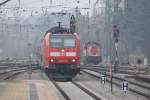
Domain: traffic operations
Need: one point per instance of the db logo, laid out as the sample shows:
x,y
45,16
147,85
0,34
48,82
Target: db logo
x,y
62,53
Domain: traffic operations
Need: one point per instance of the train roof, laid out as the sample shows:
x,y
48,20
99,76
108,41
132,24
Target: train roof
x,y
91,43
58,30
61,31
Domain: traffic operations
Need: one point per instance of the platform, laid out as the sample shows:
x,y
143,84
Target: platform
x,y
27,90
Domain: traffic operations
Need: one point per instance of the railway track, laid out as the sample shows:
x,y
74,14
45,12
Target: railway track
x,y
123,79
140,78
118,81
75,91
6,65
11,68
11,74
16,62
122,69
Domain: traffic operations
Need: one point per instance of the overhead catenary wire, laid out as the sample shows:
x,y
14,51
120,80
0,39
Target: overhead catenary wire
x,y
4,2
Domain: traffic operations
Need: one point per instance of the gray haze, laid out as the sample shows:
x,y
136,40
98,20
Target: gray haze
x,y
26,23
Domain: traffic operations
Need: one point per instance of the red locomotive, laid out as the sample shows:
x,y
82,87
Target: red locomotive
x,y
92,53
61,53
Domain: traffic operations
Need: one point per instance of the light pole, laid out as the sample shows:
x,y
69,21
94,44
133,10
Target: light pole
x,y
77,15
30,66
116,40
72,24
88,18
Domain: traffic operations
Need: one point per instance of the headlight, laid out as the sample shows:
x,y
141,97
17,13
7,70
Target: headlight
x,y
54,53
52,60
70,53
73,60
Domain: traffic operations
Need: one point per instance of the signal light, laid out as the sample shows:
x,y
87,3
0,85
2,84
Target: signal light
x,y
116,40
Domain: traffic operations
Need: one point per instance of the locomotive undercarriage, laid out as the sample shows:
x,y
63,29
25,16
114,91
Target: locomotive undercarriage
x,y
62,71
93,59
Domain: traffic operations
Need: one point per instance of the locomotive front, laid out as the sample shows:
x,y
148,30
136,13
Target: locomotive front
x,y
61,54
92,52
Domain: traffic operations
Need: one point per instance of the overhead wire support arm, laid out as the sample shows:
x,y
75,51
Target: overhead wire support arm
x,y
4,2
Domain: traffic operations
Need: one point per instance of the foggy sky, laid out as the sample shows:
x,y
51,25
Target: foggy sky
x,y
38,4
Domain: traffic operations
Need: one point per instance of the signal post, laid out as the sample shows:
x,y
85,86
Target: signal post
x,y
116,40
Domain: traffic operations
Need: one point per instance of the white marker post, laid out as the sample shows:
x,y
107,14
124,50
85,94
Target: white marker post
x,y
125,86
103,79
146,64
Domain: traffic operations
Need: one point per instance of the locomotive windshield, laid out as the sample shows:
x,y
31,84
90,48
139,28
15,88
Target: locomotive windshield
x,y
62,42
56,42
69,43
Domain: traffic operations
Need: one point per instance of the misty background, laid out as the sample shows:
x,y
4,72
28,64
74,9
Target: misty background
x,y
25,22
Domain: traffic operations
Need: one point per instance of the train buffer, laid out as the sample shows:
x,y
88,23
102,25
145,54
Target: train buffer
x,y
27,90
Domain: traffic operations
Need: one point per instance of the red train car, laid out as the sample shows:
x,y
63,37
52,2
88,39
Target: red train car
x,y
61,53
92,53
